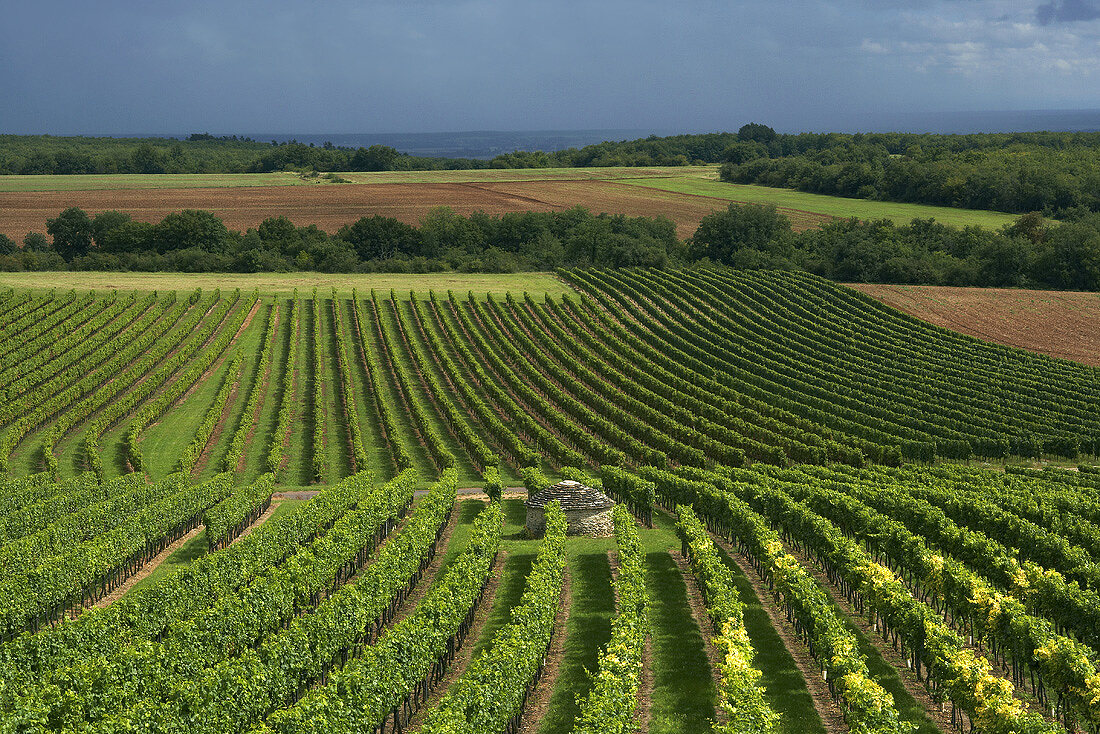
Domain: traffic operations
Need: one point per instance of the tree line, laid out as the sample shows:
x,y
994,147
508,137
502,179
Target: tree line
x,y
1032,252
199,241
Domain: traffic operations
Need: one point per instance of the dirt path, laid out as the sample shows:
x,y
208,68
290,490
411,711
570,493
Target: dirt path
x,y
538,703
145,570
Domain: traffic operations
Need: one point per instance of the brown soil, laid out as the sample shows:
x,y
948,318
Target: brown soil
x,y
538,703
331,207
1056,323
145,570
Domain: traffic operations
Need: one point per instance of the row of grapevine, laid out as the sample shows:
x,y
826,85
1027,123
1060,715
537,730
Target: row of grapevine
x,y
607,432
68,496
739,690
673,400
276,451
70,357
347,386
613,696
43,331
260,621
235,453
504,436
657,422
209,342
237,621
194,450
227,519
382,686
544,441
456,420
1061,664
585,446
385,411
116,354
866,705
88,571
146,613
437,448
317,447
950,668
490,696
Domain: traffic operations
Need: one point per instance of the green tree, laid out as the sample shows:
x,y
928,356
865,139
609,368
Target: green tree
x,y
146,159
742,227
378,238
36,242
192,228
72,232
374,158
105,222
7,245
756,131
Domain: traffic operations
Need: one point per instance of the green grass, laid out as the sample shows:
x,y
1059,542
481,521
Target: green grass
x,y
836,206
92,182
337,444
249,344
588,630
684,690
283,284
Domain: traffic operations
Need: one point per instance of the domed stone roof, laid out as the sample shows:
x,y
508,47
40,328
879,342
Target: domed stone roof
x,y
572,496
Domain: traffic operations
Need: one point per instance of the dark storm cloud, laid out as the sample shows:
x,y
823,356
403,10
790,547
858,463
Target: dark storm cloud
x,y
1066,11
283,66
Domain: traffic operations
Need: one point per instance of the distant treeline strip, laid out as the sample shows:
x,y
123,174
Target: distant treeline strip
x,y
1032,252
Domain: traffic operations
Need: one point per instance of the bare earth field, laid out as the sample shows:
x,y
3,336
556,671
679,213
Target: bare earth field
x,y
332,206
1057,323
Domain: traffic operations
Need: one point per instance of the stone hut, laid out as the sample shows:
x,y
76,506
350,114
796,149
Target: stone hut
x,y
587,510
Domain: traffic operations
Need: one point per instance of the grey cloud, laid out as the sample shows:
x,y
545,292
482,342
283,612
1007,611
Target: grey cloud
x,y
1066,11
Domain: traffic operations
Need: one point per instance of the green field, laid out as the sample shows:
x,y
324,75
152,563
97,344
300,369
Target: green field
x,y
285,283
836,206
93,182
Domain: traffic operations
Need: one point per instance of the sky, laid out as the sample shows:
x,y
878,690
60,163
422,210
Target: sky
x,y
228,67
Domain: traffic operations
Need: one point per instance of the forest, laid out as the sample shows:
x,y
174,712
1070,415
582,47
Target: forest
x,y
1032,252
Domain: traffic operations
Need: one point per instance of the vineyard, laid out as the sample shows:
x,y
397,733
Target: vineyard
x,y
245,512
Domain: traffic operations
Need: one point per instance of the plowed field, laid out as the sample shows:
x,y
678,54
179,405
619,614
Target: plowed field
x,y
1055,323
332,206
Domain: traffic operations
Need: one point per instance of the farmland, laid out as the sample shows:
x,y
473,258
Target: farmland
x,y
1057,323
319,482
244,200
